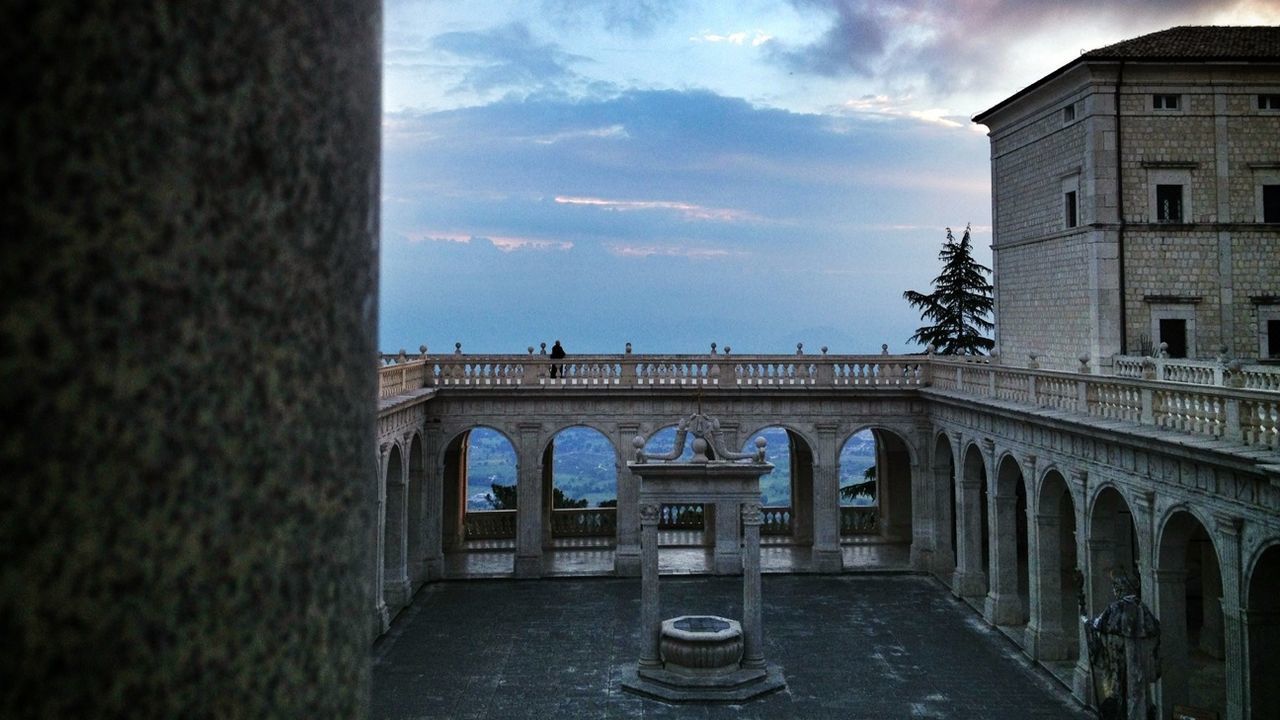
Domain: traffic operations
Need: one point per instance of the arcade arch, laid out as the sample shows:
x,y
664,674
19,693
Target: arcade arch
x,y
1008,599
786,493
579,484
973,544
479,467
944,492
1051,633
1262,627
416,511
1189,605
1112,544
393,546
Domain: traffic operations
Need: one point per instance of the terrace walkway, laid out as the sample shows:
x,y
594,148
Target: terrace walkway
x,y
870,646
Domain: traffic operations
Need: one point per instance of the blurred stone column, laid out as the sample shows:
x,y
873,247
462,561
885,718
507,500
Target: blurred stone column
x,y
650,604
188,307
752,605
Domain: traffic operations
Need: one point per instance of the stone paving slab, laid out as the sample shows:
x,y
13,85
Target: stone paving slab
x,y
849,646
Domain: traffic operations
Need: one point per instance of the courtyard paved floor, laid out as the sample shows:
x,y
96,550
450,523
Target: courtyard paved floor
x,y
851,646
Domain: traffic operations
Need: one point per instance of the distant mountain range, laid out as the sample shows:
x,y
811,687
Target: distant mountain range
x,y
584,464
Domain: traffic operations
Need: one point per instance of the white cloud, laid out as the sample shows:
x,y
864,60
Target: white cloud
x,y
694,253
505,243
742,37
690,211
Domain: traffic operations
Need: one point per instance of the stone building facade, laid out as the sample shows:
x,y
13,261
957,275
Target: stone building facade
x,y
1136,192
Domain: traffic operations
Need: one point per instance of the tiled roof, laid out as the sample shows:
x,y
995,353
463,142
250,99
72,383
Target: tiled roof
x,y
1187,43
1197,42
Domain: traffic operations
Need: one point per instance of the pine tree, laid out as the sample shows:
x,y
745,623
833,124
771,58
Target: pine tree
x,y
960,304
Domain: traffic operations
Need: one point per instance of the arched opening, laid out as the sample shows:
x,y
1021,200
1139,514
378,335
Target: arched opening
x,y
479,472
1053,636
686,524
1262,626
874,478
394,576
973,561
580,487
1189,602
1009,597
1113,547
944,489
416,512
786,493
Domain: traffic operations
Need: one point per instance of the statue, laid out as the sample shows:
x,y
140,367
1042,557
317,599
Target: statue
x,y
1124,652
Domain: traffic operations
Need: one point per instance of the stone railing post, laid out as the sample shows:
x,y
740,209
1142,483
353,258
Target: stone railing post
x,y
1148,416
1232,431
826,370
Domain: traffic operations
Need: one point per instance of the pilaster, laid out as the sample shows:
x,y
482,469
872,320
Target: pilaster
x,y
826,501
529,503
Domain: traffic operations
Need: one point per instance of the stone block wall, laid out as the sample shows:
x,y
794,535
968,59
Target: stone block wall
x,y
1217,143
1182,264
1255,257
1037,281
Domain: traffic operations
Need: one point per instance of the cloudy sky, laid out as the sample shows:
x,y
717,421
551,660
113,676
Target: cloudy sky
x,y
666,173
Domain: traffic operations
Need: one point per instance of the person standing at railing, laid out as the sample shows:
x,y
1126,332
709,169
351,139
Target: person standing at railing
x,y
557,353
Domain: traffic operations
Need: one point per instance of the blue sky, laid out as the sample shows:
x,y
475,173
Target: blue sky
x,y
671,174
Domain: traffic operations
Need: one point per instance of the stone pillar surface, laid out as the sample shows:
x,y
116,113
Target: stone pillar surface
x,y
627,554
529,499
650,606
1226,536
969,579
752,617
188,309
1003,606
433,507
1171,609
826,501
1044,638
381,618
1078,484
727,557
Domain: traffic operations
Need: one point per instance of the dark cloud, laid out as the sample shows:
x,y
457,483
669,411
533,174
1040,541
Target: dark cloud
x,y
849,47
957,44
637,17
507,57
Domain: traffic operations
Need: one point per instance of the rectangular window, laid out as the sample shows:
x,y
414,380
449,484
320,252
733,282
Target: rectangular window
x,y
1069,113
1169,203
1273,338
1069,208
1173,335
1269,102
1271,203
1164,102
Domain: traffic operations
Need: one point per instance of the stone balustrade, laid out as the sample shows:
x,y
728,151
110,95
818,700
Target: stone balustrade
x,y
584,522
1239,404
859,520
490,524
680,516
399,373
1248,417
1199,372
